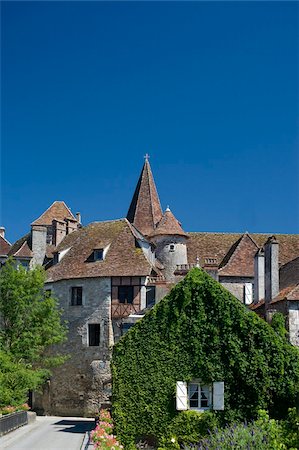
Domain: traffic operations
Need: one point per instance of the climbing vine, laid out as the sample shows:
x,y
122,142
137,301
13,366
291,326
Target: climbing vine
x,y
199,330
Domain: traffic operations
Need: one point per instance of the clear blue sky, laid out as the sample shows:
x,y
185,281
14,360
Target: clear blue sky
x,y
209,90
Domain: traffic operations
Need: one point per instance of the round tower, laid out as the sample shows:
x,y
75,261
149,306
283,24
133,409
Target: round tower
x,y
171,244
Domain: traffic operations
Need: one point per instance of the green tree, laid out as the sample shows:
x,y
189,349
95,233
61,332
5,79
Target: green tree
x,y
30,320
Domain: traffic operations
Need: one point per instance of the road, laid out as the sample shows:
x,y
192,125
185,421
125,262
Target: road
x,y
49,433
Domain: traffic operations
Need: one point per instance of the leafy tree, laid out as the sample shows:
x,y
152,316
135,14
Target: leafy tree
x,y
30,321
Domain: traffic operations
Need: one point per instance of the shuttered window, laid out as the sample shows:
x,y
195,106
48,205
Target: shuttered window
x,y
199,396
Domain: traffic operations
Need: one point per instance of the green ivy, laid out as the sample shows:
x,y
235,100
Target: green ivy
x,y
199,330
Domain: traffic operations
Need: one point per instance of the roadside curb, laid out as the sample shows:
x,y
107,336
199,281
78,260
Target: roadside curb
x,y
86,444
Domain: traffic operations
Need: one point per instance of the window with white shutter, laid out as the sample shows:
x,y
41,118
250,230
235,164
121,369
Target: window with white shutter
x,y
181,396
248,297
218,395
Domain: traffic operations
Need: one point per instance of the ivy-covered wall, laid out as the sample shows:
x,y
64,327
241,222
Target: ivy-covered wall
x,y
199,331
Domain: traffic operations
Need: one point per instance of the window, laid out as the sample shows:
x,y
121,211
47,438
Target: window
x,y
199,396
76,296
98,254
94,335
150,295
125,294
125,327
171,247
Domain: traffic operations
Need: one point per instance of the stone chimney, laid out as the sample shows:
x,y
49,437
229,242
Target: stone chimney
x,y
259,276
271,269
59,231
39,243
78,217
2,232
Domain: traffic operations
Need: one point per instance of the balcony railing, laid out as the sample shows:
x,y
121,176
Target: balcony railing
x,y
186,267
123,310
154,280
12,421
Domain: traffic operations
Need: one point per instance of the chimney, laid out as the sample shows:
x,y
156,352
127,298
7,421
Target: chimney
x,y
78,217
271,269
2,232
59,231
259,276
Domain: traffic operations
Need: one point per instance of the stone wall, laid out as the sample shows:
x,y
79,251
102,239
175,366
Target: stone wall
x,y
236,285
83,382
294,322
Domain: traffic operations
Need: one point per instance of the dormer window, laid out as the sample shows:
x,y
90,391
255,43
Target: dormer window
x,y
96,255
171,247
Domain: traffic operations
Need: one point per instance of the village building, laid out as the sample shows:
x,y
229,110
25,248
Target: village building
x,y
107,274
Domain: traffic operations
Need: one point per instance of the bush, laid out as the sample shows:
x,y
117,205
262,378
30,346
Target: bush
x,y
199,330
262,434
188,427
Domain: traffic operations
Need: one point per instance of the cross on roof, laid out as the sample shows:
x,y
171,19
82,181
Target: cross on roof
x,y
146,157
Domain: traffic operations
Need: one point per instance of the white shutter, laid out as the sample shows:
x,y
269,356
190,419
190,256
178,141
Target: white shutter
x,y
248,293
181,396
218,395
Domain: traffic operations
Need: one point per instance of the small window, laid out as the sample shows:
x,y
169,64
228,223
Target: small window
x,y
98,254
171,247
94,335
150,295
125,294
199,396
125,327
76,296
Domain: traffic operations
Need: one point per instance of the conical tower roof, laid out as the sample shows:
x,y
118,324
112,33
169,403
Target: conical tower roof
x,y
169,225
145,209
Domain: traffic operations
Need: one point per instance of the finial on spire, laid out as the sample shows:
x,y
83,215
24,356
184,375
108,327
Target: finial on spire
x,y
167,209
146,157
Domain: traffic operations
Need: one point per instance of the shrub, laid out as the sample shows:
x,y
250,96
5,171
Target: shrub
x,y
199,330
188,427
102,436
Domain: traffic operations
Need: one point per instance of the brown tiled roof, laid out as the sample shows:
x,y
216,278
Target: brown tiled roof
x,y
240,260
169,225
145,209
122,258
4,246
289,274
18,244
58,210
24,251
218,245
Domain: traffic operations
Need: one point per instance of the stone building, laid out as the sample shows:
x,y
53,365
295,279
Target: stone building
x,y
106,274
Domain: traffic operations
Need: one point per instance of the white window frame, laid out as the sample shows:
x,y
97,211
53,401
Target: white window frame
x,y
248,293
200,387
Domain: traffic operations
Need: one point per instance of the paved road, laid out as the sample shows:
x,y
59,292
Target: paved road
x,y
49,433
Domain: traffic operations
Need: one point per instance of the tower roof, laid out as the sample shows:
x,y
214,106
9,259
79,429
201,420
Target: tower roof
x,y
145,209
169,225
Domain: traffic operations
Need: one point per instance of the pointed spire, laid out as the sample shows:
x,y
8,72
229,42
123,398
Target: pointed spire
x,y
145,209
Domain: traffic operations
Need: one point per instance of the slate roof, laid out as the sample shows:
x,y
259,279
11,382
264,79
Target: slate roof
x,y
4,246
58,210
145,209
227,249
123,258
19,243
168,225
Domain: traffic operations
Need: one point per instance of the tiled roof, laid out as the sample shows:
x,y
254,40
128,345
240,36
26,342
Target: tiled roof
x,y
168,225
221,246
58,210
289,274
145,209
24,251
122,258
19,243
240,258
4,246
